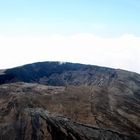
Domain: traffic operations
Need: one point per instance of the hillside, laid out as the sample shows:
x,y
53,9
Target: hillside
x,y
53,101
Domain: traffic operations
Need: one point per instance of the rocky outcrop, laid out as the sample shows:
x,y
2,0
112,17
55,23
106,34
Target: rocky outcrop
x,y
38,124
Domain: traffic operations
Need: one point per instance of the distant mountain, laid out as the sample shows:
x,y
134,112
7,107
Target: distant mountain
x,y
60,74
66,101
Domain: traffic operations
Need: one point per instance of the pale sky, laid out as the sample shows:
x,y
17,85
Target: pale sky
x,y
103,32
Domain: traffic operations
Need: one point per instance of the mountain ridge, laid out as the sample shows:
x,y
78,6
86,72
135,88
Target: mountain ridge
x,y
41,71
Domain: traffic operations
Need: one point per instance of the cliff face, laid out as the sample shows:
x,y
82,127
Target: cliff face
x,y
84,101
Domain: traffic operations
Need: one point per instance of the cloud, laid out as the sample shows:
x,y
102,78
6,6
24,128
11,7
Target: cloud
x,y
121,52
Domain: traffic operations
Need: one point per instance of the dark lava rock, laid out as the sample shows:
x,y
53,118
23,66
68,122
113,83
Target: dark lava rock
x,y
38,124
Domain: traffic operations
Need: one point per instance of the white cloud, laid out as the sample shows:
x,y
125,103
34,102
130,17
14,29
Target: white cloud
x,y
121,52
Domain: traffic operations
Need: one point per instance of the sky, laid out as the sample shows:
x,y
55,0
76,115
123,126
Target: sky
x,y
98,32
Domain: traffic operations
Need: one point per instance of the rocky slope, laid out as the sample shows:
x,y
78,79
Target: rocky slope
x,y
24,113
84,101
